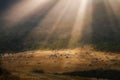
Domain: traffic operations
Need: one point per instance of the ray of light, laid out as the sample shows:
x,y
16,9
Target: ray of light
x,y
57,18
115,4
87,30
53,19
60,17
111,15
79,23
114,16
23,9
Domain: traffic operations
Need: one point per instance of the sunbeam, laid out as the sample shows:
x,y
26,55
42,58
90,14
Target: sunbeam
x,y
79,23
115,4
112,16
59,19
60,39
62,13
22,10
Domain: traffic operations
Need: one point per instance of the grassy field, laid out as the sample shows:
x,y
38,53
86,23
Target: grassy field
x,y
59,64
59,40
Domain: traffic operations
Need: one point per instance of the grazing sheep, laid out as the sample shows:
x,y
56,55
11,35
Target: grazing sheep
x,y
53,56
90,65
87,52
12,59
66,67
67,56
26,62
55,61
68,63
38,62
61,55
76,53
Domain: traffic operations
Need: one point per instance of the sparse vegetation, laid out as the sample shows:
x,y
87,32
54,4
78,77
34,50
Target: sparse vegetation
x,y
107,47
59,39
52,62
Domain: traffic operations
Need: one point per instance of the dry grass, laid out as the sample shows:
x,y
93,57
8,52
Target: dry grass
x,y
59,61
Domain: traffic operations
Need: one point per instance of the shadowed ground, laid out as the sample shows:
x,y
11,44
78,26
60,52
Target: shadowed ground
x,y
78,64
104,74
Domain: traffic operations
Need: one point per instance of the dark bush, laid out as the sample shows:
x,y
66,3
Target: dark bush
x,y
101,74
38,71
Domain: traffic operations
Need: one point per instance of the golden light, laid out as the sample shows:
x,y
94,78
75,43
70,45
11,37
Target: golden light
x,y
65,18
80,21
115,5
22,10
60,16
66,15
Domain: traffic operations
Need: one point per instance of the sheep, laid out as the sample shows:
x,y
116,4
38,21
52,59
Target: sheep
x,y
68,63
27,62
38,62
53,56
87,52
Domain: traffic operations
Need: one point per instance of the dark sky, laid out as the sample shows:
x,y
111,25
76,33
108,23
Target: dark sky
x,y
5,4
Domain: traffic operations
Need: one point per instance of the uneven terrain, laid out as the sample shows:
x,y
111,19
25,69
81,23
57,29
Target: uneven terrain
x,y
43,64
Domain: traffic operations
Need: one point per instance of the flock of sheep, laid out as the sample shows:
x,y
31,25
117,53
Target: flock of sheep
x,y
25,58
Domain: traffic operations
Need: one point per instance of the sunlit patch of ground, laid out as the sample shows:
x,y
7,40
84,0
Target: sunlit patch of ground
x,y
28,64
